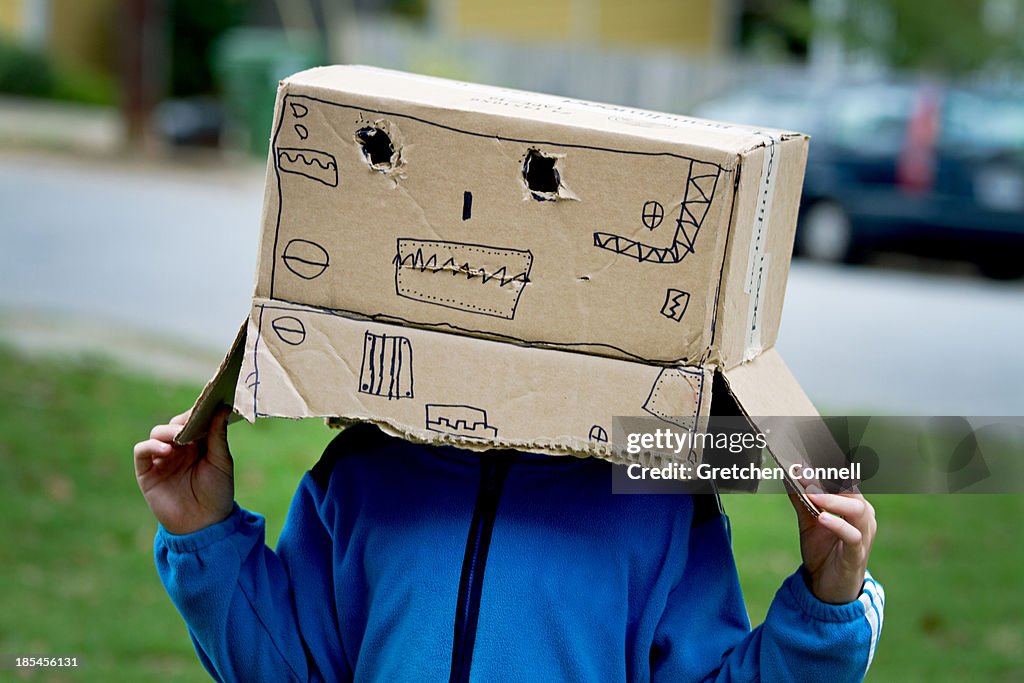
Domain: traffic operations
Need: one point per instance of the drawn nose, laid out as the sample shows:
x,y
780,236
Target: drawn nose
x,y
467,205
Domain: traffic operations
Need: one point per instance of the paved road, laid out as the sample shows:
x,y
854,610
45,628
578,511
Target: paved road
x,y
173,251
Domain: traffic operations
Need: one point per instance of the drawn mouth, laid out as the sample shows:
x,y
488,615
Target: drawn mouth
x,y
701,181
468,277
682,244
309,163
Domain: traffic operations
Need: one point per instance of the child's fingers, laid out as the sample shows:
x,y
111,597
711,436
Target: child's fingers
x,y
146,451
851,518
182,418
851,506
848,533
165,432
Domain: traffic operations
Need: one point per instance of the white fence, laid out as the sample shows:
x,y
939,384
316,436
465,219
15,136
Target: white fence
x,y
658,80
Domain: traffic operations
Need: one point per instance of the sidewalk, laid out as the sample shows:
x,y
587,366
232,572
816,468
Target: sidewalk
x,y
74,337
39,123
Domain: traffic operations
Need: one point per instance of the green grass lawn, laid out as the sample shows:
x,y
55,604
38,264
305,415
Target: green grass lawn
x,y
77,575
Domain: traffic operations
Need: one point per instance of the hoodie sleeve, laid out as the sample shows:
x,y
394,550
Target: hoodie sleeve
x,y
705,633
238,600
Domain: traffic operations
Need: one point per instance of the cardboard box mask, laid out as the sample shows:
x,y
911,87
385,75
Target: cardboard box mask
x,y
490,267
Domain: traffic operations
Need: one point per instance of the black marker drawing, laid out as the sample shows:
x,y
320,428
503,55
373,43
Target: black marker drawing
x,y
387,366
252,380
701,181
289,329
459,420
675,304
306,259
467,205
676,396
309,163
468,277
302,131
652,214
599,434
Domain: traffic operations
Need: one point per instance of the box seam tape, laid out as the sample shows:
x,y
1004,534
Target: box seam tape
x,y
754,284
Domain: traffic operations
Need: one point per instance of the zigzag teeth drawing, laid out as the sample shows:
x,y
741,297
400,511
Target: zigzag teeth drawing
x,y
486,289
701,181
421,263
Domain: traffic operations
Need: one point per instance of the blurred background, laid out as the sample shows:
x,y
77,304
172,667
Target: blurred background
x,y
133,138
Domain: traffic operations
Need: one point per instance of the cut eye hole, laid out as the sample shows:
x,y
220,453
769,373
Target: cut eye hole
x,y
377,147
540,175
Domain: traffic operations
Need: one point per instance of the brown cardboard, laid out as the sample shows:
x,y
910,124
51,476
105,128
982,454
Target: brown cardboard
x,y
220,390
765,388
518,267
432,386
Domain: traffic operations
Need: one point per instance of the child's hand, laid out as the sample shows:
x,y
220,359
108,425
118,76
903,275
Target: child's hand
x,y
836,544
187,487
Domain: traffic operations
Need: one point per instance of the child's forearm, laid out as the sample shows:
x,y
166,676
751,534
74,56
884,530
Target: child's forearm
x,y
706,634
805,639
235,597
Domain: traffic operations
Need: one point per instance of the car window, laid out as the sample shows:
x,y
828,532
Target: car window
x,y
871,120
784,110
983,124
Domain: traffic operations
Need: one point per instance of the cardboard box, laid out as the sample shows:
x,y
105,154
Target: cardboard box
x,y
497,268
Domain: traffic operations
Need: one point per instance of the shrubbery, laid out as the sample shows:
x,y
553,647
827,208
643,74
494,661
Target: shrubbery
x,y
27,72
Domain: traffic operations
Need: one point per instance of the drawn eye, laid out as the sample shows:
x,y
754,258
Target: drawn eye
x,y
378,150
653,214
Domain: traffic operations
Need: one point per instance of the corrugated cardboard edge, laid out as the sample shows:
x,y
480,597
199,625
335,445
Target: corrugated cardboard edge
x,y
575,448
765,387
220,390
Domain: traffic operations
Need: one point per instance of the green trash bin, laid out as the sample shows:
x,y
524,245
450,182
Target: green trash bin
x,y
248,64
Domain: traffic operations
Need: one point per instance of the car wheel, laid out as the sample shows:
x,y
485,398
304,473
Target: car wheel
x,y
826,233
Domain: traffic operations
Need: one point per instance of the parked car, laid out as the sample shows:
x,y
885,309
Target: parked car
x,y
192,122
918,167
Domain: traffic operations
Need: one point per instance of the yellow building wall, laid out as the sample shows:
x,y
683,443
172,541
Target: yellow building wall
x,y
11,17
694,26
84,32
518,20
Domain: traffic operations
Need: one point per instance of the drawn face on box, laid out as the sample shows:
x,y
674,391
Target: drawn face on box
x,y
567,242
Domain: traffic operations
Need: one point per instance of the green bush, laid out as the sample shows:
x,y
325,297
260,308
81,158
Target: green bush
x,y
24,71
27,72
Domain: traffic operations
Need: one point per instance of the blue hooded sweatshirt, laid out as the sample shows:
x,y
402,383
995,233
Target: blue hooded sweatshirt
x,y
402,562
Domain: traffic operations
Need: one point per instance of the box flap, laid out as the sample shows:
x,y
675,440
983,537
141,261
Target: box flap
x,y
769,397
432,386
766,387
219,390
